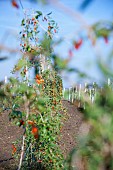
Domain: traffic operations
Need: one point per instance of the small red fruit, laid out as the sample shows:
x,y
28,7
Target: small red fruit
x,y
39,160
33,19
36,136
24,35
25,71
14,149
54,102
14,4
30,122
34,130
53,107
35,28
21,122
78,44
39,79
35,22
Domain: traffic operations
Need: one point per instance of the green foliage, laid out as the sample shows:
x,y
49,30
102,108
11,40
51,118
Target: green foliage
x,y
44,111
95,147
103,29
35,105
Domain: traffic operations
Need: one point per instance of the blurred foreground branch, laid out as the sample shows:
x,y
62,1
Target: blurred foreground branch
x,y
76,16
11,50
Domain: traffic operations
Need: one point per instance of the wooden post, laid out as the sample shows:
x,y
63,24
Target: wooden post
x,y
79,93
63,92
5,79
109,81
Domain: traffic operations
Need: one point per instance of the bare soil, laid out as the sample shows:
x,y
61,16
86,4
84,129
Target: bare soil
x,y
9,133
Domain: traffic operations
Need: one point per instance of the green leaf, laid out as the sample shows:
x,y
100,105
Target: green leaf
x,y
39,13
2,94
15,114
28,48
52,21
49,13
22,88
23,22
29,34
36,16
21,63
103,28
15,106
72,70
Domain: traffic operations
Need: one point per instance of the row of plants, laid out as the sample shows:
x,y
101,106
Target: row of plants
x,y
95,147
35,104
88,92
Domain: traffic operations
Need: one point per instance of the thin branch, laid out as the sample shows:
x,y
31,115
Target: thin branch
x,y
76,15
45,29
3,47
21,4
22,153
41,116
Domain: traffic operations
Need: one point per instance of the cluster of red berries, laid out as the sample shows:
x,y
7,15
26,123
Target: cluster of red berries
x,y
34,128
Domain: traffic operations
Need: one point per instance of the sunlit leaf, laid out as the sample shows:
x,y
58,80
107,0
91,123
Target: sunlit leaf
x,y
23,22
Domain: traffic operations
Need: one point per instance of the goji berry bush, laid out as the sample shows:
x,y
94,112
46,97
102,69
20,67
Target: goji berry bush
x,y
35,104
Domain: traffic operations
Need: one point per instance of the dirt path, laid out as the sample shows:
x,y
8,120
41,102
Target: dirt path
x,y
9,133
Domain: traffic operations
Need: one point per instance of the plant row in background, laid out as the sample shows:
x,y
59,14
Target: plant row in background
x,y
95,146
87,93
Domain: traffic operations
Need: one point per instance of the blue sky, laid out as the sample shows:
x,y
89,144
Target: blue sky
x,y
84,59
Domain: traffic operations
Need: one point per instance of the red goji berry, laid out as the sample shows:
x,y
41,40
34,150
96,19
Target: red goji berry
x,y
78,44
34,130
14,4
14,149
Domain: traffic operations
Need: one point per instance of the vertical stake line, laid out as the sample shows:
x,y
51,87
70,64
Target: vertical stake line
x,y
72,95
23,140
5,80
79,93
69,94
22,153
90,93
64,93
